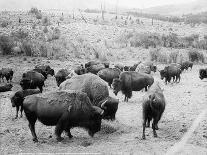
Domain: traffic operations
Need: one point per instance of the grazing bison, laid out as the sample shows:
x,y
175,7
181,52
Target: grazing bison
x,y
152,108
32,80
133,68
46,68
97,91
185,65
18,98
131,81
7,73
95,68
61,75
65,110
171,71
119,66
6,87
141,68
203,73
108,74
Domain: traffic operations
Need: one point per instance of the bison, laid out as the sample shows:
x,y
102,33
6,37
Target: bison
x,y
95,68
186,64
6,87
63,109
7,73
97,91
32,80
108,74
151,65
46,68
44,73
203,73
141,68
171,71
91,63
153,107
131,81
119,66
61,75
18,98
133,68
79,70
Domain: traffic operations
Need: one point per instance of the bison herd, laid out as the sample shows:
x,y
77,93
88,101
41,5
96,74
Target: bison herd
x,y
83,100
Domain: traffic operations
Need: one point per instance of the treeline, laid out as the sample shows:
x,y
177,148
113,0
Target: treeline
x,y
188,18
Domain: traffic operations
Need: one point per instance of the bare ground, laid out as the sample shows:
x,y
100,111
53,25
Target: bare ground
x,y
185,100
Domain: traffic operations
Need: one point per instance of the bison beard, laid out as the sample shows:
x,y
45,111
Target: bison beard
x,y
65,109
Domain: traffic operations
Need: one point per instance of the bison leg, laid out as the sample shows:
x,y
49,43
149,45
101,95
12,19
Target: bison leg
x,y
144,126
31,117
17,110
154,126
60,126
41,89
21,110
148,122
145,88
69,133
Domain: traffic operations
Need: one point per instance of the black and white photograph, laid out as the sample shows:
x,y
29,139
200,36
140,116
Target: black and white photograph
x,y
103,77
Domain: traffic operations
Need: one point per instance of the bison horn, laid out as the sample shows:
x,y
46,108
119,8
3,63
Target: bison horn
x,y
102,105
98,110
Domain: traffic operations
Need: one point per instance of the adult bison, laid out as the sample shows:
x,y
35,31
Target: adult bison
x,y
46,68
18,98
61,75
133,68
63,109
32,80
95,68
7,73
79,70
141,68
186,64
44,73
203,73
151,65
131,81
153,107
108,74
97,91
91,63
6,87
171,71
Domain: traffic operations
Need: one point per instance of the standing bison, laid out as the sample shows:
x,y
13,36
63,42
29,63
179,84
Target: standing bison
x,y
131,81
95,68
61,75
108,74
32,80
171,71
185,65
46,68
18,98
97,91
7,73
119,66
152,108
65,110
203,73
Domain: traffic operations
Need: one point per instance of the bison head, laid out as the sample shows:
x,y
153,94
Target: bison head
x,y
163,74
116,84
95,121
110,107
154,68
17,99
51,72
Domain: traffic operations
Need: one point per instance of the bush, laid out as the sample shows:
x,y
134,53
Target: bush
x,y
27,48
45,21
56,33
4,24
195,55
45,30
6,44
39,16
34,10
173,56
158,56
20,34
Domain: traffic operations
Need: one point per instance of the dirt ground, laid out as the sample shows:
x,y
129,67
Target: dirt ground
x,y
185,100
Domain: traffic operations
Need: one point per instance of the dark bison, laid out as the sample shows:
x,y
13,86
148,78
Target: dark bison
x,y
46,68
152,66
119,66
63,109
203,73
32,80
6,87
185,65
131,81
95,68
108,74
171,71
18,98
91,63
7,73
61,75
97,91
133,68
152,108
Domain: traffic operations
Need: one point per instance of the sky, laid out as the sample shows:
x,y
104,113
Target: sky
x,y
68,4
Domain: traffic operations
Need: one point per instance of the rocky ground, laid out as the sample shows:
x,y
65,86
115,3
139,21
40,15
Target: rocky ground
x,y
185,101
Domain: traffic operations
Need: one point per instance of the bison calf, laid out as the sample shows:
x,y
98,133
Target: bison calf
x,y
18,98
152,108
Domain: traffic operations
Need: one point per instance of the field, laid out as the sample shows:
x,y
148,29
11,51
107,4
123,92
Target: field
x,y
78,43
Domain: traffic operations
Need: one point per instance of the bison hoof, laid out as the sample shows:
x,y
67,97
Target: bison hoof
x,y
143,137
35,140
155,135
59,139
156,127
16,117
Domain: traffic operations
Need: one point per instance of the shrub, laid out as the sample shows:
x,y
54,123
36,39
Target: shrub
x,y
158,56
39,16
4,24
45,30
20,34
56,33
27,48
6,44
34,10
46,21
173,56
195,55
